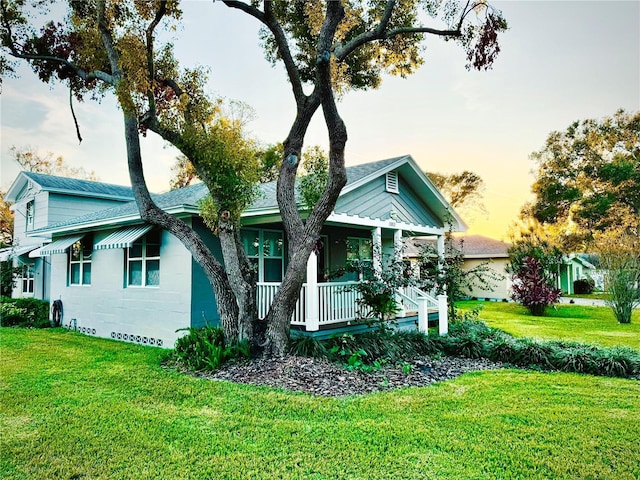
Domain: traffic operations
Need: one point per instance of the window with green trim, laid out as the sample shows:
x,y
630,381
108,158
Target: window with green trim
x,y
265,249
80,254
143,261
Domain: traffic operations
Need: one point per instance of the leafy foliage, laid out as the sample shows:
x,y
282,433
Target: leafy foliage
x,y
316,173
588,177
446,275
24,312
8,276
462,190
531,289
378,287
584,286
205,349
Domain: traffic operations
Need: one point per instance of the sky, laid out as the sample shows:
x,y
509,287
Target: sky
x,y
561,61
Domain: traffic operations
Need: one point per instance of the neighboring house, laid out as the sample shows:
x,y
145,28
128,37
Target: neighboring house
x,y
476,249
573,268
120,278
40,200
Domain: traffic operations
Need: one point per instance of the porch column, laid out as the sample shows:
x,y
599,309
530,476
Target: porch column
x,y
376,235
312,322
440,245
397,253
443,321
397,245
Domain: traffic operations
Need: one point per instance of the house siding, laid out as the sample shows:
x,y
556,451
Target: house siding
x,y
502,287
64,207
109,309
204,308
373,201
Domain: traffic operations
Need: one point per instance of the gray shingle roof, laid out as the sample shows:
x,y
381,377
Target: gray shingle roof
x,y
79,187
192,195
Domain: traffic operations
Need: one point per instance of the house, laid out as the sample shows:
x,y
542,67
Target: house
x,y
40,200
121,278
476,250
572,268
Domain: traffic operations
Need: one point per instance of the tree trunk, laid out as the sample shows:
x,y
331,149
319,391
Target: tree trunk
x,y
151,213
240,276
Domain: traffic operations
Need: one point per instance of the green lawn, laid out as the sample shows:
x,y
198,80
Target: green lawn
x,y
595,325
76,407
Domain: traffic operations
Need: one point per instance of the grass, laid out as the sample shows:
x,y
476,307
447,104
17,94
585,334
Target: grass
x,y
76,407
594,325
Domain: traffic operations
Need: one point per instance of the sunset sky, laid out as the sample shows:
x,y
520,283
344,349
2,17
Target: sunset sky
x,y
560,62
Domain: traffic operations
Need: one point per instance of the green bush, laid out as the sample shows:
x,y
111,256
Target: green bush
x,y
471,339
24,312
584,286
205,349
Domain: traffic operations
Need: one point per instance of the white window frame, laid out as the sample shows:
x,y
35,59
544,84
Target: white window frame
x,y
144,259
261,257
28,278
82,261
29,215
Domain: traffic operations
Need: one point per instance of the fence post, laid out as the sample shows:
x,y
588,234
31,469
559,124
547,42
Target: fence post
x,y
443,322
312,322
423,315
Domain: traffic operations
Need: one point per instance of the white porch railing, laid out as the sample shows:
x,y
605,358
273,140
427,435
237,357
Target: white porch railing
x,y
337,302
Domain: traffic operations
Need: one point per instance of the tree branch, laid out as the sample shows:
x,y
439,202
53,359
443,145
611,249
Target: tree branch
x,y
107,42
160,13
269,20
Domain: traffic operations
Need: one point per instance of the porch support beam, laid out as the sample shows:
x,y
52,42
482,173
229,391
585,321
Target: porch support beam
x,y
312,322
397,252
376,235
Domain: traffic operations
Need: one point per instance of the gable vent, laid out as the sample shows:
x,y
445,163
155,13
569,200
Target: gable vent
x,y
392,182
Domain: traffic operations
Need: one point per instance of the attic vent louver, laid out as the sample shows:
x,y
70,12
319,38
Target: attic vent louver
x,y
392,182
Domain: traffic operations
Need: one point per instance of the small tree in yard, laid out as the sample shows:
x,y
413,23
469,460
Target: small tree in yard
x,y
378,288
531,289
620,259
446,275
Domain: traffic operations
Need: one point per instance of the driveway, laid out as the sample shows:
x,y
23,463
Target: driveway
x,y
591,302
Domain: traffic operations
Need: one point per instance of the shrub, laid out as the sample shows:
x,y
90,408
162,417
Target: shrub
x,y
579,359
584,286
531,289
205,349
530,352
618,362
24,312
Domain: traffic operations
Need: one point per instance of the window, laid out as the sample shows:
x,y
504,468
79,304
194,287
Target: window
x,y
29,215
265,249
80,255
359,249
27,278
143,261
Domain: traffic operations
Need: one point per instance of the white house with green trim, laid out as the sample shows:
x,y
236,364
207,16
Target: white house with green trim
x,y
119,278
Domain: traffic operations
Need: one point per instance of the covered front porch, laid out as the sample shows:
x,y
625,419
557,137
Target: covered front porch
x,y
333,305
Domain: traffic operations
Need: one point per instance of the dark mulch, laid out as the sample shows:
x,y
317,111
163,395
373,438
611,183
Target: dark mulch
x,y
320,377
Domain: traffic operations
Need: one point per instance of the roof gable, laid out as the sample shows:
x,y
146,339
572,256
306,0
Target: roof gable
x,y
68,186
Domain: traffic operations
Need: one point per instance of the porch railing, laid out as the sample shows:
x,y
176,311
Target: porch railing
x,y
338,302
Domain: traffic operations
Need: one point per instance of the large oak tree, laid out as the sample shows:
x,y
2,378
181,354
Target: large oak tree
x,y
327,49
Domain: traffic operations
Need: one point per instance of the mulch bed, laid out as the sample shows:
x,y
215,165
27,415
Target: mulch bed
x,y
320,377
